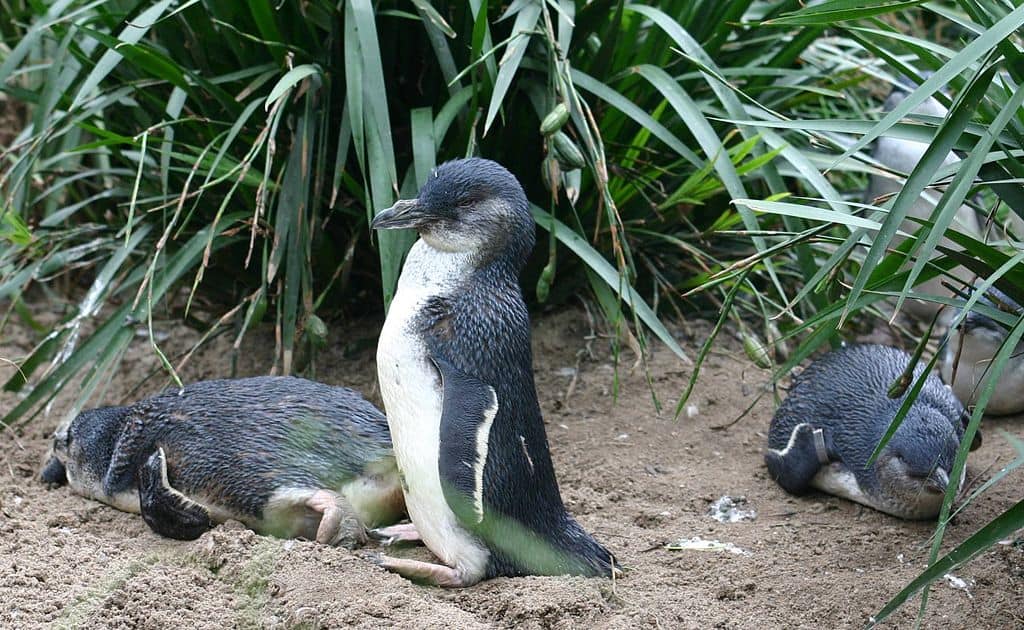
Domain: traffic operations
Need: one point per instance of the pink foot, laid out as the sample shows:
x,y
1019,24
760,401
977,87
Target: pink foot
x,y
325,502
434,574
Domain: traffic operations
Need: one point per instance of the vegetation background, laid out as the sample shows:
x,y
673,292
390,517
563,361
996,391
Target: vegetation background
x,y
218,163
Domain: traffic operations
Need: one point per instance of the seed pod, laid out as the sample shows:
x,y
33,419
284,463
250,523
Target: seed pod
x,y
254,314
566,151
550,173
544,282
775,339
756,350
555,119
316,331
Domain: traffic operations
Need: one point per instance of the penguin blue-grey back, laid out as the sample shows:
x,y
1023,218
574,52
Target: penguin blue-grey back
x,y
837,412
456,374
971,348
283,455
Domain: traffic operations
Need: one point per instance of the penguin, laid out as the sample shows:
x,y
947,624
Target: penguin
x,y
837,412
902,156
976,341
455,369
285,456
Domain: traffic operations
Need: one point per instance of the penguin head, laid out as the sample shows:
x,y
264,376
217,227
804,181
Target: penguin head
x,y
916,465
983,329
472,206
82,450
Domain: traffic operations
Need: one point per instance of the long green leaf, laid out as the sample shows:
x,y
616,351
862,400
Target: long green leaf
x,y
831,11
131,34
526,21
594,261
933,157
997,529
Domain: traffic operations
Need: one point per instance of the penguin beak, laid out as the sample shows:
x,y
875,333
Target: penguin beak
x,y
406,213
54,473
937,482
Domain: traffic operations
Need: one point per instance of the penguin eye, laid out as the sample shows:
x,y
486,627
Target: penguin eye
x,y
470,200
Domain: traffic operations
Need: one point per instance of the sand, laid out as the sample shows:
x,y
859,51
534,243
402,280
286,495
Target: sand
x,y
636,478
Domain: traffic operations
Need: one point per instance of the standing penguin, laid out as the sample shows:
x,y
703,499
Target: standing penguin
x,y
286,456
456,374
902,156
837,412
972,346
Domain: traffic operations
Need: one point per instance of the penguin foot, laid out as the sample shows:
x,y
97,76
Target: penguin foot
x,y
326,503
392,534
427,572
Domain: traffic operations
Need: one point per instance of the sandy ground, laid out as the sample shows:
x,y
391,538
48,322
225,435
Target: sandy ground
x,y
637,479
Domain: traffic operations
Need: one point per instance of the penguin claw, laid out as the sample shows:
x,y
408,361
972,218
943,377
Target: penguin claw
x,y
387,536
373,557
377,536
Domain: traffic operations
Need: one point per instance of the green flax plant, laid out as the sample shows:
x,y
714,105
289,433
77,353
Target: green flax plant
x,y
233,154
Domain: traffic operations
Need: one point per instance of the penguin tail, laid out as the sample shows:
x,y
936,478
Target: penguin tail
x,y
583,555
562,547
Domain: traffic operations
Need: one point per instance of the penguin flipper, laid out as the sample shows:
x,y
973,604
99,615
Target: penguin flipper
x,y
167,511
467,412
794,466
130,444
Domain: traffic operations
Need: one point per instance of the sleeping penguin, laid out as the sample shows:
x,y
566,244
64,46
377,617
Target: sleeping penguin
x,y
977,340
456,375
837,412
286,456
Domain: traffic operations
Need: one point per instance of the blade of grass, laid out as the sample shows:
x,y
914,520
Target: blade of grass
x,y
608,273
999,528
526,22
131,34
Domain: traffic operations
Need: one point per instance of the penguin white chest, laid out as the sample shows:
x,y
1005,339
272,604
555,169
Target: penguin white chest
x,y
413,397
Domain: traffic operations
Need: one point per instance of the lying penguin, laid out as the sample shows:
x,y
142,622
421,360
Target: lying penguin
x,y
902,156
977,340
286,456
456,374
837,412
